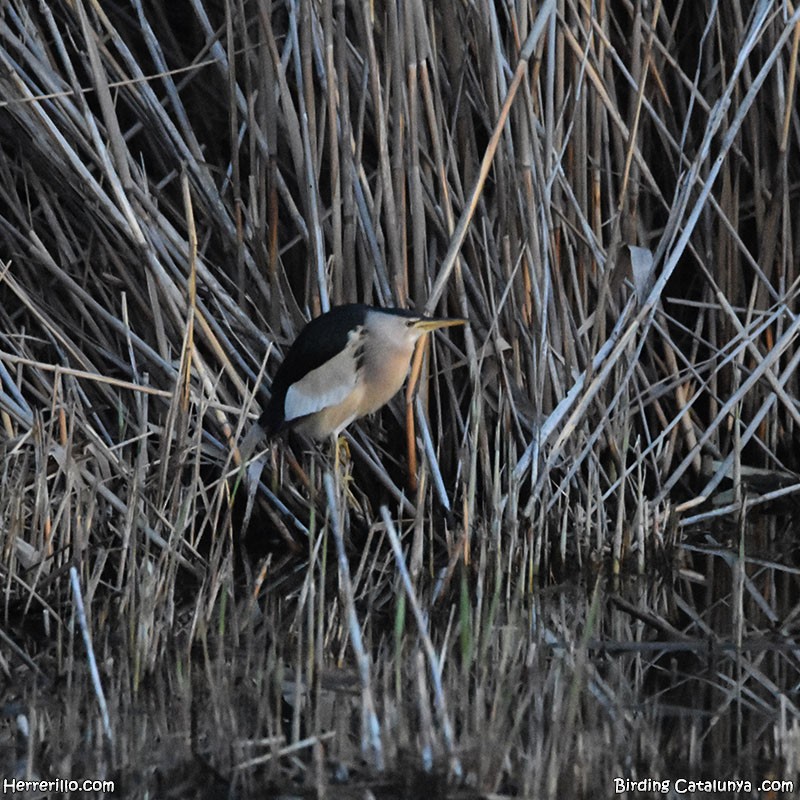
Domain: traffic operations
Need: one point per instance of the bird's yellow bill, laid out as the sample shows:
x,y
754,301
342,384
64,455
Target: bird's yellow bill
x,y
442,322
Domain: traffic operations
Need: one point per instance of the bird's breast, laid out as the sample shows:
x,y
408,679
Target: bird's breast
x,y
382,375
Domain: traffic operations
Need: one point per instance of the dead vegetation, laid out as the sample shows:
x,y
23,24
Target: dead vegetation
x,y
608,191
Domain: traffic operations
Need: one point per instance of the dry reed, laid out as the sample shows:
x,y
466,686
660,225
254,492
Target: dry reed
x,y
607,191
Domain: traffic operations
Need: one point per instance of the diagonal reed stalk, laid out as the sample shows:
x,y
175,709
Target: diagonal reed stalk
x,y
183,185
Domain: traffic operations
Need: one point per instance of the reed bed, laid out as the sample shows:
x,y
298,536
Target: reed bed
x,y
548,568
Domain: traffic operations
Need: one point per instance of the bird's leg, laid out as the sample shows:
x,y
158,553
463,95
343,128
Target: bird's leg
x,y
342,465
343,452
341,455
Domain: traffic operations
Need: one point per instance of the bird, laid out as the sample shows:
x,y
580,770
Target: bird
x,y
344,364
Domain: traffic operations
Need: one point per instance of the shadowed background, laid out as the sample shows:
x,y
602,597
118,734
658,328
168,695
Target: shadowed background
x,y
183,185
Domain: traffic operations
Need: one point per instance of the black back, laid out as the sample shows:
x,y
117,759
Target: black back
x,y
321,339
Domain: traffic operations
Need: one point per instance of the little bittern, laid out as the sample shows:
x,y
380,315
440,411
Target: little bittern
x,y
344,365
